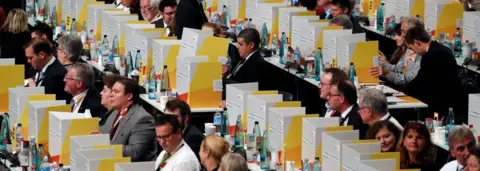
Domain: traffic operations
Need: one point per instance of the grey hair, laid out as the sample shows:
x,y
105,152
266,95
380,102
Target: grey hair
x,y
371,97
84,72
413,22
155,3
342,20
72,46
460,134
233,162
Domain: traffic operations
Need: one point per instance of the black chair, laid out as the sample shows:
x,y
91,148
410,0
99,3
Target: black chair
x,y
286,95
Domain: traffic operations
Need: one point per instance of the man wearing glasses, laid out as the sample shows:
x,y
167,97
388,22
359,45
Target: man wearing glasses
x,y
373,107
130,125
461,140
330,76
176,154
150,11
191,134
167,8
79,83
342,98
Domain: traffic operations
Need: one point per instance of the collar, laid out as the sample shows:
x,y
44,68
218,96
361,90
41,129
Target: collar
x,y
79,97
459,166
428,45
345,113
328,106
249,55
158,17
48,64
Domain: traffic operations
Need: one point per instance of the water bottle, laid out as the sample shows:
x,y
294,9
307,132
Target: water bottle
x,y
239,134
352,73
225,124
73,27
265,153
217,122
239,26
275,43
41,152
35,161
297,56
258,134
467,49
249,23
316,164
306,165
264,32
138,58
450,124
23,154
225,16
45,165
282,50
129,62
381,17
152,85
457,43
215,18
318,64
18,137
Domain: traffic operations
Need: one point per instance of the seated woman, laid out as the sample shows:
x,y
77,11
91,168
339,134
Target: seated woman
x,y
416,148
387,133
108,81
473,163
212,150
233,162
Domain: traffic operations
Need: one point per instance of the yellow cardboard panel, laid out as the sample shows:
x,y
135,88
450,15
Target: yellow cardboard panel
x,y
16,74
77,127
265,92
293,139
171,62
330,129
387,155
362,57
84,11
201,93
288,104
24,115
44,127
447,20
418,8
214,47
118,148
109,164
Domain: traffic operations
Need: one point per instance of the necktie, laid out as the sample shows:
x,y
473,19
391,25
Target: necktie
x,y
332,113
72,104
39,78
118,118
239,65
342,121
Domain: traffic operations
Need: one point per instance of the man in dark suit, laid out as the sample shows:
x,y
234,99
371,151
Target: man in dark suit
x,y
189,14
191,134
342,98
50,73
340,7
331,76
79,83
167,9
130,125
437,82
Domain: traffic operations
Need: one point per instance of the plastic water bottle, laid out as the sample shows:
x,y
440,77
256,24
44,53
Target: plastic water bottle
x,y
258,134
217,121
381,17
249,23
225,129
35,161
152,85
316,164
23,154
450,124
73,27
352,73
45,165
239,134
275,43
239,26
318,64
457,43
282,50
215,18
138,58
306,165
265,152
298,55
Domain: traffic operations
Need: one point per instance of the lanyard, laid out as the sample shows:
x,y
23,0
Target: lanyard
x,y
122,113
164,159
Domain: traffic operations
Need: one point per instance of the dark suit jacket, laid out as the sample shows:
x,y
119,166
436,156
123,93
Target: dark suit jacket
x,y
355,120
437,82
136,132
92,101
357,28
159,23
53,81
189,14
193,137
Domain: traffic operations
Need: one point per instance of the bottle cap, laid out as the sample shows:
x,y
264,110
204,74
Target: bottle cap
x,y
256,122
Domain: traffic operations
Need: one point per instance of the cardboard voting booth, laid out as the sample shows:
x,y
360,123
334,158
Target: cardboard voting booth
x,y
264,14
38,121
310,35
79,10
409,8
214,48
474,110
312,129
17,99
135,166
93,11
443,17
83,142
24,119
283,128
99,159
290,15
343,47
329,49
471,27
99,13
199,82
236,101
165,52
355,152
63,125
192,39
377,165
143,41
237,10
299,25
362,56
332,147
113,22
16,78
284,18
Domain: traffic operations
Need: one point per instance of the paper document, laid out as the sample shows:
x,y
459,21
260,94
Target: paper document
x,y
392,99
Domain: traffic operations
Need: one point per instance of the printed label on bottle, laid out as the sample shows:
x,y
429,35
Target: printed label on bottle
x,y
217,120
23,160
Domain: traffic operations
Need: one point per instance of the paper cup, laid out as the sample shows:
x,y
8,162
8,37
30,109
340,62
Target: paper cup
x,y
209,130
437,124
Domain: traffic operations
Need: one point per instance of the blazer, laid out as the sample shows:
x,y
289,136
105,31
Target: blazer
x,y
159,23
54,83
194,137
397,76
189,14
355,120
92,101
136,132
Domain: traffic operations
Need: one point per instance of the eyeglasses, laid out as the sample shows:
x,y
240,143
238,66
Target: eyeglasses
x,y
165,137
333,95
361,108
169,13
72,79
323,84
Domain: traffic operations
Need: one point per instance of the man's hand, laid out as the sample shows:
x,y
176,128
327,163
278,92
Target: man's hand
x,y
382,58
376,71
224,69
31,83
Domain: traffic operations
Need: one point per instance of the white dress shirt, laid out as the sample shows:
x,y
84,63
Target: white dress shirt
x,y
452,166
78,100
345,113
37,76
182,160
392,120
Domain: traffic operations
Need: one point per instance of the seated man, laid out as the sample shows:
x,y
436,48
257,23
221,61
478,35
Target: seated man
x,y
345,7
176,155
341,20
130,125
50,73
69,49
79,83
460,141
330,77
373,107
191,134
342,98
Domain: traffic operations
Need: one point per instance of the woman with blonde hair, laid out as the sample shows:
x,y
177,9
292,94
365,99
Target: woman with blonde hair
x,y
14,34
212,150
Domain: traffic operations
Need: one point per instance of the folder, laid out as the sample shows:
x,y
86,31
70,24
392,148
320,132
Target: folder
x,y
284,21
38,118
83,142
16,78
100,12
92,19
312,129
199,82
329,50
299,25
309,35
85,155
332,147
362,55
213,47
63,125
79,10
165,52
258,109
236,101
283,129
135,166
24,120
192,41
